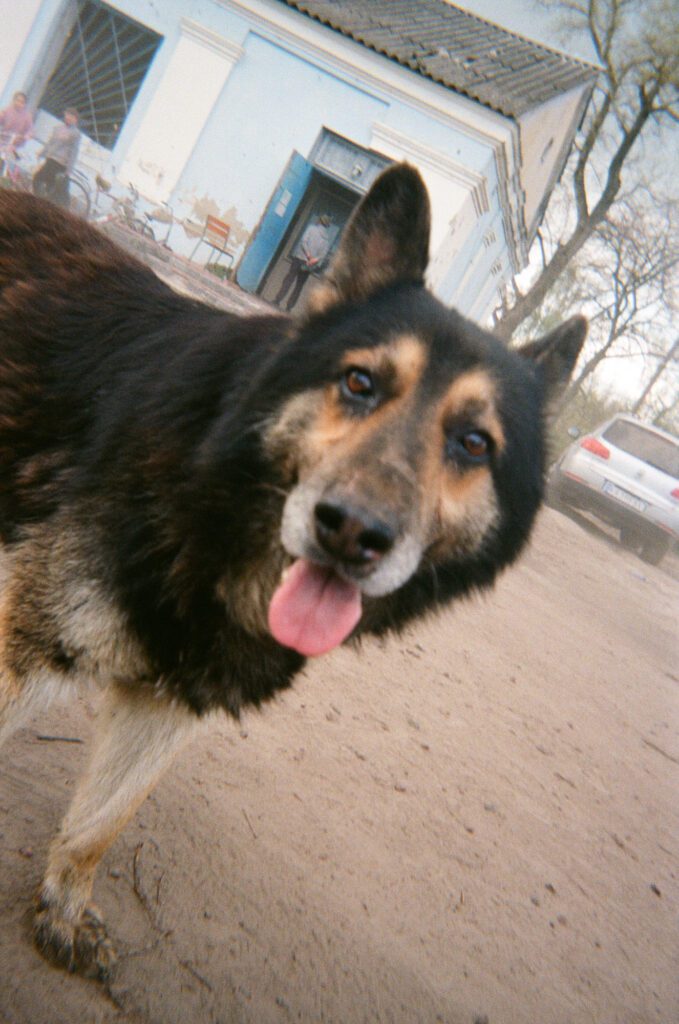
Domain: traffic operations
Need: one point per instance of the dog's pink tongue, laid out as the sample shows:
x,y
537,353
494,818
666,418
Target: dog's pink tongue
x,y
313,610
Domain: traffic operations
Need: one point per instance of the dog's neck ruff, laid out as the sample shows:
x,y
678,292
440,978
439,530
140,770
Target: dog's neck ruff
x,y
313,610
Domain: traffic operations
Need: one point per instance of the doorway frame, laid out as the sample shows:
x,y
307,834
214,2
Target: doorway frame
x,y
332,157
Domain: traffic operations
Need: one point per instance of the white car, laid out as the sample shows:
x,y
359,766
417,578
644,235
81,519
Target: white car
x,y
627,474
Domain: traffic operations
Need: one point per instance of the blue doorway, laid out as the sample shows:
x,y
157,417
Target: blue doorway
x,y
274,223
325,198
330,183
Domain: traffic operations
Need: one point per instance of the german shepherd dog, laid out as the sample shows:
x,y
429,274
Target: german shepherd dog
x,y
193,502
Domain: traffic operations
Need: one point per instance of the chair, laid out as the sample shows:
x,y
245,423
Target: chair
x,y
216,235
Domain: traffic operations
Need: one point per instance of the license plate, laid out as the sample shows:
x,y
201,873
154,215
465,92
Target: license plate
x,y
624,496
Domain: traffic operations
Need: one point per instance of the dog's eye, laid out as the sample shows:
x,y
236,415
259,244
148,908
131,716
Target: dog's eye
x,y
472,447
358,384
475,444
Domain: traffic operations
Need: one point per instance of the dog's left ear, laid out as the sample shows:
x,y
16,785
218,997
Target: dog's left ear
x,y
556,354
385,242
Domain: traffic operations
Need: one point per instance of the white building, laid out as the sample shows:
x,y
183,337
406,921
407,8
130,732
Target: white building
x,y
267,112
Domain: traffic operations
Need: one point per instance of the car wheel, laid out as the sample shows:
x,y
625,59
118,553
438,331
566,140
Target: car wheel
x,y
552,496
654,549
629,538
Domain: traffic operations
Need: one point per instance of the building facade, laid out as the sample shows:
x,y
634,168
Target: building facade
x,y
267,113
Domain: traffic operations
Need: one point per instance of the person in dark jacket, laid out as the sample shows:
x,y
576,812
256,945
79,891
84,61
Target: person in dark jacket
x,y
60,154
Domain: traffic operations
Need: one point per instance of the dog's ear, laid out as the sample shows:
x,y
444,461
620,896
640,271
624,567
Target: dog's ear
x,y
556,354
386,240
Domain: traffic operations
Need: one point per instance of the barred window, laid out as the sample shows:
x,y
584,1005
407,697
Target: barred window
x,y
100,70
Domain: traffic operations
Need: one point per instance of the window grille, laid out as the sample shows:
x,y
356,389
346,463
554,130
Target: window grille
x,y
100,70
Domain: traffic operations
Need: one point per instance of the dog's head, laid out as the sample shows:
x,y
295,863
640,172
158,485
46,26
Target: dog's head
x,y
411,446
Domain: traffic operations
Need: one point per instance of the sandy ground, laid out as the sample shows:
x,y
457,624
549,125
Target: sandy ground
x,y
474,823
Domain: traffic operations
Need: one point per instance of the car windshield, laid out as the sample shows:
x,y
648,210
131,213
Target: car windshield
x,y
645,444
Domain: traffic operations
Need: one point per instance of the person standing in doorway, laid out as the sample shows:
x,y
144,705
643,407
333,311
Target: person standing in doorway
x,y
60,154
308,257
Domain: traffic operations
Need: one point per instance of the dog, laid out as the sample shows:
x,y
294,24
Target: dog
x,y
192,503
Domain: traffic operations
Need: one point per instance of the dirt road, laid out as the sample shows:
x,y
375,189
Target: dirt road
x,y
476,822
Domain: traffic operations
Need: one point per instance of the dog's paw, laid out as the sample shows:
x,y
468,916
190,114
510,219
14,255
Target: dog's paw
x,y
82,947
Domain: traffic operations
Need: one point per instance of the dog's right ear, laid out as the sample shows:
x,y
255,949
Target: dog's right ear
x,y
386,241
556,354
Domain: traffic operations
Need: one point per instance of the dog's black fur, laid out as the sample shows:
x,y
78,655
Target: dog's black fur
x,y
144,407
156,442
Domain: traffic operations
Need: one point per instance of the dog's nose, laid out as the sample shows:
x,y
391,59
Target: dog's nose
x,y
350,534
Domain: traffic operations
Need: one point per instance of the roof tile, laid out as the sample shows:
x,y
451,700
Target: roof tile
x,y
459,50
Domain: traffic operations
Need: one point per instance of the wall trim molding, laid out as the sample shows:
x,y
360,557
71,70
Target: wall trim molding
x,y
474,182
312,39
211,40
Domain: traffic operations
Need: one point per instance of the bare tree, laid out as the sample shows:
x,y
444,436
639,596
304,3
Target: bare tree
x,y
628,284
589,409
635,99
664,410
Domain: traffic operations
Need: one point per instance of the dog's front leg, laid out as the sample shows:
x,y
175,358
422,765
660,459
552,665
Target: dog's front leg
x,y
135,740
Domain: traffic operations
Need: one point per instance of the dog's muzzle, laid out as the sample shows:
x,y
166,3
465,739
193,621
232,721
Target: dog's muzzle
x,y
352,536
342,552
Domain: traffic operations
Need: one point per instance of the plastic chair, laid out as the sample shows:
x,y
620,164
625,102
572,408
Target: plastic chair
x,y
216,235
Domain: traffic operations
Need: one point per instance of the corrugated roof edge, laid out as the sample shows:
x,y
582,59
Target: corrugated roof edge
x,y
587,76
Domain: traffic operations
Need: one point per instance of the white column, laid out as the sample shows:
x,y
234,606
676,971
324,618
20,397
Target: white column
x,y
193,79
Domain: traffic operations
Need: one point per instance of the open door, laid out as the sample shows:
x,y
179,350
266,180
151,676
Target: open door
x,y
274,223
324,196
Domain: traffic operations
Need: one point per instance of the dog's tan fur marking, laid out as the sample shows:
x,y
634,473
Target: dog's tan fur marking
x,y
462,504
474,395
281,437
137,736
321,298
405,356
59,628
451,509
247,597
59,617
399,364
315,421
467,511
